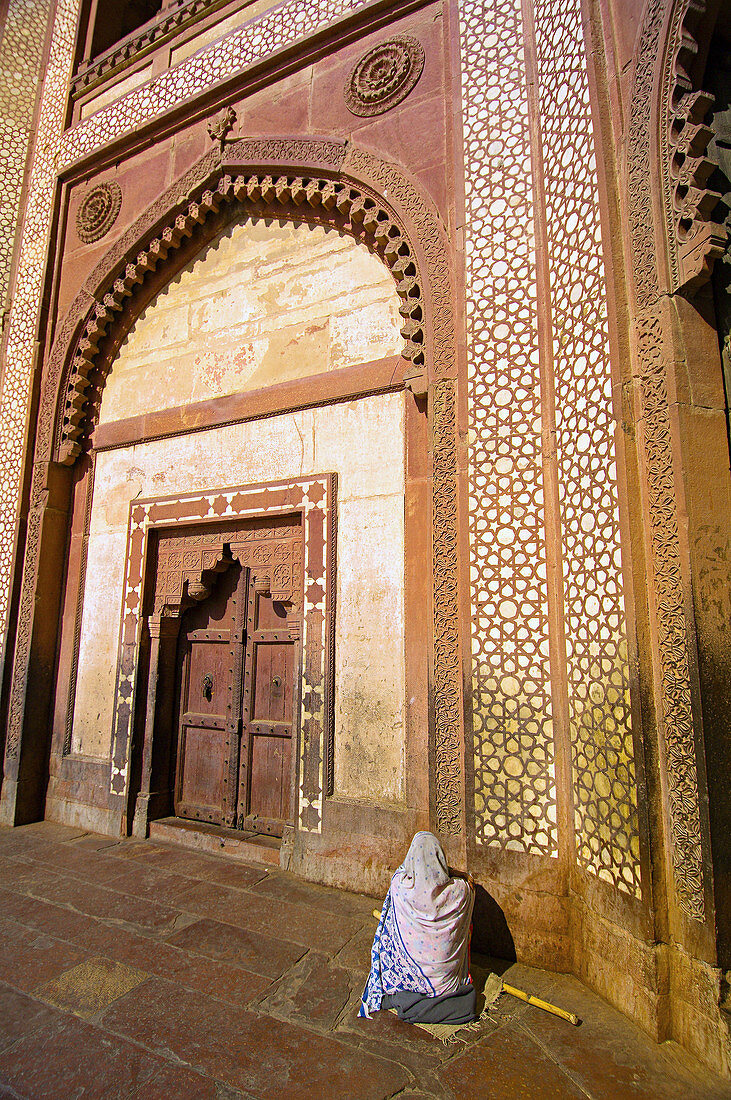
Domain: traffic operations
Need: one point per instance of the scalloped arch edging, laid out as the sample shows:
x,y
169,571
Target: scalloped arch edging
x,y
318,186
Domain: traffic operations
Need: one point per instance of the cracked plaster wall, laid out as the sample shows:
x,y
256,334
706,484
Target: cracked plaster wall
x,y
265,302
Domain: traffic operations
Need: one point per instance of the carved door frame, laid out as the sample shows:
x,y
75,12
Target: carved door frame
x,y
313,499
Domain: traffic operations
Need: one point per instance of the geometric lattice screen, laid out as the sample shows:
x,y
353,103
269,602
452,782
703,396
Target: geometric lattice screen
x,y
23,37
515,789
549,646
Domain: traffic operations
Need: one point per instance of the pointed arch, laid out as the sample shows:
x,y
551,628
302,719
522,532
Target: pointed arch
x,y
323,182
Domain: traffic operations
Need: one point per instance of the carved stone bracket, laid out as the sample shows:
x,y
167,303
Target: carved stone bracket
x,y
186,574
695,214
221,126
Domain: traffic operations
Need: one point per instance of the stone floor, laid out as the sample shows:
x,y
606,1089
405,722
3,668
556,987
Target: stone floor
x,y
132,969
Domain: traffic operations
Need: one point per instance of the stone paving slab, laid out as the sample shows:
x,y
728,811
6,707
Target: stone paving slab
x,y
66,1056
514,1065
133,969
256,1053
257,953
29,958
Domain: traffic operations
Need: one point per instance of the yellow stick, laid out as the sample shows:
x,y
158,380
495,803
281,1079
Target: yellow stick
x,y
569,1016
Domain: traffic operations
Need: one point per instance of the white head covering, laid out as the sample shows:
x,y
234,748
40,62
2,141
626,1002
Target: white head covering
x,y
433,914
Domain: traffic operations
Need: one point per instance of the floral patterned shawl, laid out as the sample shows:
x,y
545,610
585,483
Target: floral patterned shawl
x,y
422,939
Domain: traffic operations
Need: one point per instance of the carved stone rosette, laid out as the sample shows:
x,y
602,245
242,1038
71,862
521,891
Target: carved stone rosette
x,y
98,211
384,76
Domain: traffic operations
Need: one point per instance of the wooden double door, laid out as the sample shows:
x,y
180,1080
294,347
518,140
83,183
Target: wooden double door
x,y
237,662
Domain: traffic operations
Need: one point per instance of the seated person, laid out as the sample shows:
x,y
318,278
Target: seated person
x,y
420,954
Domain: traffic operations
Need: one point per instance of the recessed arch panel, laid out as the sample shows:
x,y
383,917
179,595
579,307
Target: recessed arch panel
x,y
266,301
332,184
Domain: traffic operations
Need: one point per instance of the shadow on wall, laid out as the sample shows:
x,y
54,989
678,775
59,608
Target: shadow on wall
x,y
490,932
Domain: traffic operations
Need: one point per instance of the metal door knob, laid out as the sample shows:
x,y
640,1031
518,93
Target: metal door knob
x,y
276,682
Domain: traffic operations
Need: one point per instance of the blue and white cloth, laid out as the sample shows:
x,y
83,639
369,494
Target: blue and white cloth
x,y
422,940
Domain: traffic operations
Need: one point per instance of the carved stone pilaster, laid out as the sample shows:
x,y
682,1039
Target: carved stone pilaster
x,y
679,733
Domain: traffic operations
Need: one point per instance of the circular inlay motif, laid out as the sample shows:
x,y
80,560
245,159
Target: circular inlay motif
x,y
384,76
98,211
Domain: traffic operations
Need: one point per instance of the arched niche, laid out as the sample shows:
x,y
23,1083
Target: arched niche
x,y
265,302
377,207
322,183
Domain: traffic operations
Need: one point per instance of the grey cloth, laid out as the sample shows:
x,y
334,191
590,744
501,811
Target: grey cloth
x,y
447,1008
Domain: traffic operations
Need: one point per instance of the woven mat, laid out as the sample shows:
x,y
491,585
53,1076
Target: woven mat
x,y
453,1033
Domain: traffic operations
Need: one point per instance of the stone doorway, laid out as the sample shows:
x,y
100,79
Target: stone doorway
x,y
219,670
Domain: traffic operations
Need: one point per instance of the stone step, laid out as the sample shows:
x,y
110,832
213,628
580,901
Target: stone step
x,y
248,846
